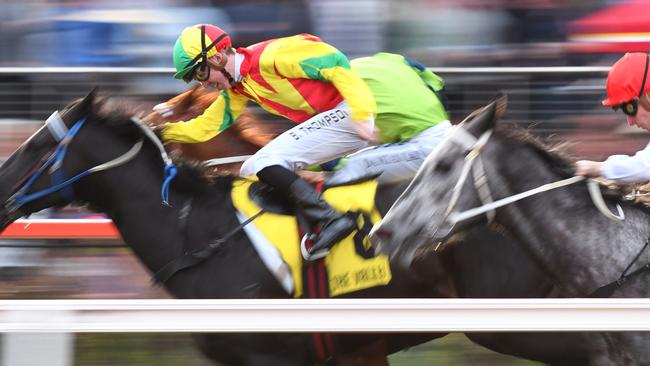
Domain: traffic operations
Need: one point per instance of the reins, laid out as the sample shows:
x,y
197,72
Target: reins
x,y
170,169
456,217
474,164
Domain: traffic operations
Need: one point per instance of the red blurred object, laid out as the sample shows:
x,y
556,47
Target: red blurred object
x,y
61,229
618,28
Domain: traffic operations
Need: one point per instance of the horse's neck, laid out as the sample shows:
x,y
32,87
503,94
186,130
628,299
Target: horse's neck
x,y
576,244
158,233
150,229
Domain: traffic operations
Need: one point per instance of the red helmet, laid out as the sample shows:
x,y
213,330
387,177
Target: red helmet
x,y
627,79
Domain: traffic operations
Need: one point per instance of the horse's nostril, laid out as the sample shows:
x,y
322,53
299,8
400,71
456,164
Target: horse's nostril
x,y
383,234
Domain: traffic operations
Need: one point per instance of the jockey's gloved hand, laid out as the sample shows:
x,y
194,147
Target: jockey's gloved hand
x,y
164,109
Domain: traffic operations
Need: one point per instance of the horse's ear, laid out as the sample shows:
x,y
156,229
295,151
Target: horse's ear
x,y
501,101
79,108
487,117
87,102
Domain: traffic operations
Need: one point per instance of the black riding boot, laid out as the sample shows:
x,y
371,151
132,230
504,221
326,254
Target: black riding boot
x,y
333,225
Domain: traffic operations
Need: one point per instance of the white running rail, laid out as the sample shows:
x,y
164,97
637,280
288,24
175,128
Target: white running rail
x,y
332,315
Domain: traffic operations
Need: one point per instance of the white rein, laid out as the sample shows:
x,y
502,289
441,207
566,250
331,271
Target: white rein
x,y
465,139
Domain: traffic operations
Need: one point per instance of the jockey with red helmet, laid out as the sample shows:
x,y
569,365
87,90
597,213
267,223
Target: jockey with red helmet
x,y
301,78
627,90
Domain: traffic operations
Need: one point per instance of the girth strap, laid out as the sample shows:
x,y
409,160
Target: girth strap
x,y
195,257
608,290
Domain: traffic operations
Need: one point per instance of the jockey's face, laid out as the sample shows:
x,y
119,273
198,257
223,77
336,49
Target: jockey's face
x,y
217,80
218,77
642,117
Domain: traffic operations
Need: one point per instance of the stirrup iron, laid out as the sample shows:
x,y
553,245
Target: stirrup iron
x,y
310,257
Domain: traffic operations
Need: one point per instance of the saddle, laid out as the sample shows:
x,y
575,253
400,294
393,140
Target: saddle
x,y
351,264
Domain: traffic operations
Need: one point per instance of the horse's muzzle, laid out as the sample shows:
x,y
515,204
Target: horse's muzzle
x,y
378,236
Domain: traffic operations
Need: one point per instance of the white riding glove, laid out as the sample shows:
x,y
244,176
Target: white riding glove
x,y
164,109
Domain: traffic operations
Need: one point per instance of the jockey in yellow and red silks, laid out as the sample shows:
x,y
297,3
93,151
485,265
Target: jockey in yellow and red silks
x,y
301,78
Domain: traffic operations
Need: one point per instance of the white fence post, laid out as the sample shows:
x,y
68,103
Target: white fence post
x,y
36,349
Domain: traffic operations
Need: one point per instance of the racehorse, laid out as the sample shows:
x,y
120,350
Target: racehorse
x,y
128,194
577,246
106,161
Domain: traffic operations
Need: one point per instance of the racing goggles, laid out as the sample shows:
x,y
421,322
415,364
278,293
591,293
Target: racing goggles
x,y
200,72
630,108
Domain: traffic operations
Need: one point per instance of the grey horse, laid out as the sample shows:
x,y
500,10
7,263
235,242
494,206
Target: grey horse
x,y
579,248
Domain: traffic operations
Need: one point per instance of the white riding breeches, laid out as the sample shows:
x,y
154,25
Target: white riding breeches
x,y
325,136
394,162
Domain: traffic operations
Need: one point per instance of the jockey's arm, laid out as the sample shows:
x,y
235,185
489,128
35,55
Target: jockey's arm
x,y
221,114
629,169
321,61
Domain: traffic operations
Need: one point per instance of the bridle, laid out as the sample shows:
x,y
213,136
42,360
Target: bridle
x,y
64,136
474,164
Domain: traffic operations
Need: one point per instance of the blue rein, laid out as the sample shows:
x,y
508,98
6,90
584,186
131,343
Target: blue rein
x,y
170,174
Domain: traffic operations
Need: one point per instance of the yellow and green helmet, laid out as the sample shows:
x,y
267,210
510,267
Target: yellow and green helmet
x,y
196,45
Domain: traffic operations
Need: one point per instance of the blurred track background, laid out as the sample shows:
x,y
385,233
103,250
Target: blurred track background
x,y
549,56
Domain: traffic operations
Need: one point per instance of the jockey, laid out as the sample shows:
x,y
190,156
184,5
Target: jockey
x,y
301,78
627,89
411,119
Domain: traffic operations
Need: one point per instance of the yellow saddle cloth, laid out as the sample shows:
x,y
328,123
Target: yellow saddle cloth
x,y
347,269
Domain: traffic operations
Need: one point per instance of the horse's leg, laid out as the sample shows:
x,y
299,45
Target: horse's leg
x,y
605,350
621,348
557,349
372,355
634,347
248,349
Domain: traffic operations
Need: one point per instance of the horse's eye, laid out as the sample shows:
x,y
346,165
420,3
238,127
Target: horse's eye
x,y
443,166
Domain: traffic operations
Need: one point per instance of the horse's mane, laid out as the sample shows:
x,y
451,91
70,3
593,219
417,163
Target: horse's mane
x,y
554,153
192,176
